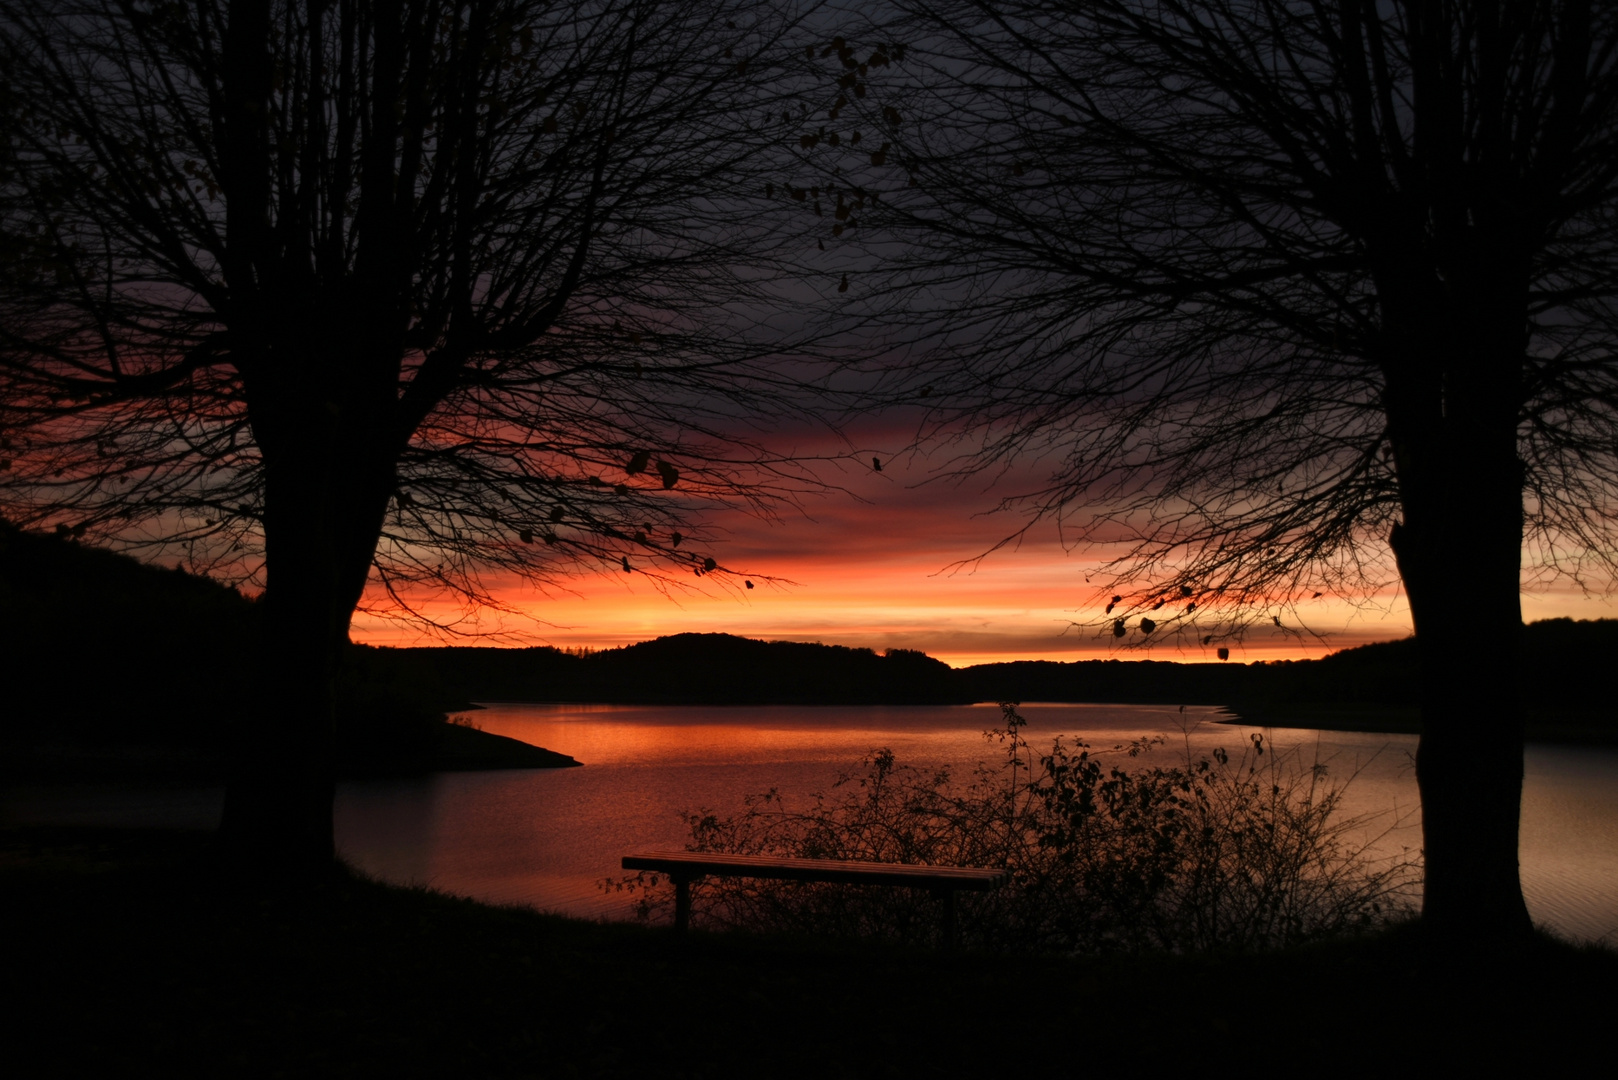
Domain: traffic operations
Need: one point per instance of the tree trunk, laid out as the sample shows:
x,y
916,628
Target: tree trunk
x,y
278,803
327,484
1469,763
1452,409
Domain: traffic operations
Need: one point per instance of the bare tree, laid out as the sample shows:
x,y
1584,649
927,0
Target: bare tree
x,y
327,293
1286,285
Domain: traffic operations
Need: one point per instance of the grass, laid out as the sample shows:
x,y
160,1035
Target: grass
x,y
126,947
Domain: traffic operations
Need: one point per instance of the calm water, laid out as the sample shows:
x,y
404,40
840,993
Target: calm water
x,y
547,838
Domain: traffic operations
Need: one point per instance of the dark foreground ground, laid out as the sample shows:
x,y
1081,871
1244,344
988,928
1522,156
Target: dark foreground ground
x,y
121,948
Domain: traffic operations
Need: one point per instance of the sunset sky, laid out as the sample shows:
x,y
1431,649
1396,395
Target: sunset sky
x,y
873,567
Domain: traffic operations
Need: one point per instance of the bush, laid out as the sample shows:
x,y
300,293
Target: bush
x,y
1215,853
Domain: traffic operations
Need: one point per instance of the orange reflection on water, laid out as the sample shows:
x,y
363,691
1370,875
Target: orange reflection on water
x,y
744,735
548,837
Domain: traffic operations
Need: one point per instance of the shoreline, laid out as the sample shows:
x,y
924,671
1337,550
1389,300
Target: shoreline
x,y
1561,727
461,748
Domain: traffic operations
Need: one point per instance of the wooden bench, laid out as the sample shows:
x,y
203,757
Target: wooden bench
x,y
683,867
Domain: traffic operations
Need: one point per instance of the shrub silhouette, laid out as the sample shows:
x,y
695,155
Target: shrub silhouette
x,y
1211,853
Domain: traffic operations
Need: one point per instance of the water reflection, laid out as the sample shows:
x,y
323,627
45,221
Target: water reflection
x,y
1569,840
546,838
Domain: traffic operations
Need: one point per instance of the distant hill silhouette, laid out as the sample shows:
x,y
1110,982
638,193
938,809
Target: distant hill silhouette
x,y
699,669
1563,660
102,648
1371,687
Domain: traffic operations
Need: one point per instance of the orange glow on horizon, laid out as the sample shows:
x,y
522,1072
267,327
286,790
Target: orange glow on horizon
x,y
875,572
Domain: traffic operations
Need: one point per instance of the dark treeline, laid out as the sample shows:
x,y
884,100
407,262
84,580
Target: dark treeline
x,y
1562,662
699,669
1371,687
101,648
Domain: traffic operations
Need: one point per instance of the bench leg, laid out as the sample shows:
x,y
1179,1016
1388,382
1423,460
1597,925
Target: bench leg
x,y
682,904
952,934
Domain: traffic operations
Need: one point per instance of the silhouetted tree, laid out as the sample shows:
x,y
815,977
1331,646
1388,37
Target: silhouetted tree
x,y
1281,282
343,291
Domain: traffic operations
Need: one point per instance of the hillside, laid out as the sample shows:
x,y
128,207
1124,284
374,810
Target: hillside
x,y
110,648
698,669
113,667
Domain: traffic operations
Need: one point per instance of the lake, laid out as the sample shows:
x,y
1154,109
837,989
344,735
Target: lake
x,y
548,838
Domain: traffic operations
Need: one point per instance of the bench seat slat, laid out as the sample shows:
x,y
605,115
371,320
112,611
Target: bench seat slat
x,y
697,863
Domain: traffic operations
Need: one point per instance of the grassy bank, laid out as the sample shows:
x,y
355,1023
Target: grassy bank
x,y
126,947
